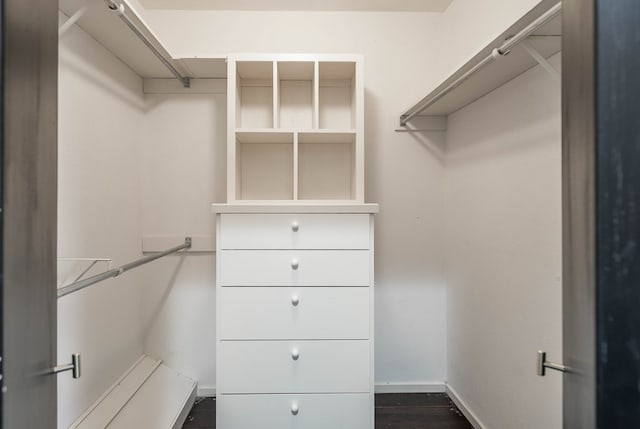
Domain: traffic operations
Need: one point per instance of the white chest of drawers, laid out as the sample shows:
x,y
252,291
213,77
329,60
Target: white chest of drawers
x,y
295,318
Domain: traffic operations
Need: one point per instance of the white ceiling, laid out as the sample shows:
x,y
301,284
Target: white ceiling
x,y
302,5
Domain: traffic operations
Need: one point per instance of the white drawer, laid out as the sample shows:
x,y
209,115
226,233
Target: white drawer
x,y
294,231
346,411
294,367
278,313
294,268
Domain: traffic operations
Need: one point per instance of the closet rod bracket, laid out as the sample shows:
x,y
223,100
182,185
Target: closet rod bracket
x,y
543,364
74,367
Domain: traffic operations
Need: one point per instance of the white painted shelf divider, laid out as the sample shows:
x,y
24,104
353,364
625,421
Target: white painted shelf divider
x,y
546,40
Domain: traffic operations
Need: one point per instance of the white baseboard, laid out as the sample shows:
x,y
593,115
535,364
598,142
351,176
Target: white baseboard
x,y
473,419
206,391
434,387
439,387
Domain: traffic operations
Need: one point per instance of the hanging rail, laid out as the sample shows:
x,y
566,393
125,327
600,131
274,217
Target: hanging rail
x,y
497,53
118,9
76,286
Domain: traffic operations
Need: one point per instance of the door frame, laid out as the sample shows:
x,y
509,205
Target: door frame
x,y
29,202
601,185
1,209
578,212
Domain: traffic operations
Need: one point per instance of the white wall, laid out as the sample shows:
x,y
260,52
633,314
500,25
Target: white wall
x,y
403,59
183,170
491,346
100,114
503,252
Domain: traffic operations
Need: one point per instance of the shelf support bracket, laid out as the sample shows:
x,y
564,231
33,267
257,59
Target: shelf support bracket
x,y
420,124
533,52
72,20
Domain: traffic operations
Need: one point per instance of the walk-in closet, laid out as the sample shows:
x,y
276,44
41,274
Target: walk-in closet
x,y
311,215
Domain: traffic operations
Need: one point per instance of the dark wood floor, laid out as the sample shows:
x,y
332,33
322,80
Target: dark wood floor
x,y
393,411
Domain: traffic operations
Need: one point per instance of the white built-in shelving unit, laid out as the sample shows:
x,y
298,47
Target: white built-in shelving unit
x,y
297,131
296,222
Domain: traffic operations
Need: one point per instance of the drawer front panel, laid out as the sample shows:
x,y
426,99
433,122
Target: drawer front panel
x,y
277,313
294,367
346,411
294,268
295,231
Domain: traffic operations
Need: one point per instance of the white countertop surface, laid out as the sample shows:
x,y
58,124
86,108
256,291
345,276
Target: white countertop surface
x,y
294,207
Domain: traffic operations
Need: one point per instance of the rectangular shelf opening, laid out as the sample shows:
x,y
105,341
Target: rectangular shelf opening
x,y
326,166
296,94
254,94
264,169
337,97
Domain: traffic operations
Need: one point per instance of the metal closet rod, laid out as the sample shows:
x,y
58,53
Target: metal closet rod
x,y
119,10
500,52
79,285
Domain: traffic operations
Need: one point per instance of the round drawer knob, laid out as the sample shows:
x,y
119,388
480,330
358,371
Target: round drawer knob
x,y
295,226
295,300
295,354
294,409
295,264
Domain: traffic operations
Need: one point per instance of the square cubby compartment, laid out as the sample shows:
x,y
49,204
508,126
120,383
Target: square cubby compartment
x,y
337,98
254,94
264,166
295,83
326,166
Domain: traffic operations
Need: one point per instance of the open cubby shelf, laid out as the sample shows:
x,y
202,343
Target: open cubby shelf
x,y
274,165
326,166
296,94
336,95
254,92
297,132
264,166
